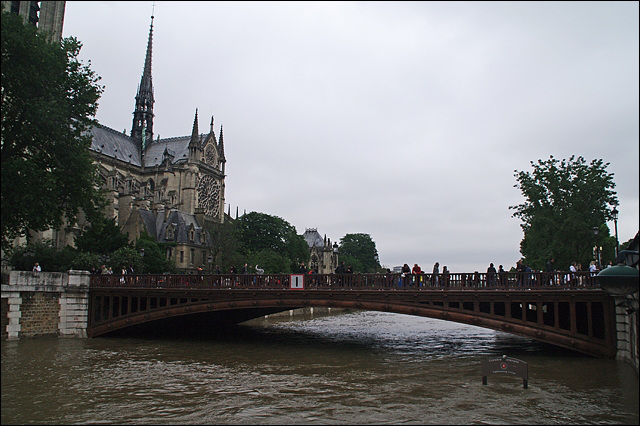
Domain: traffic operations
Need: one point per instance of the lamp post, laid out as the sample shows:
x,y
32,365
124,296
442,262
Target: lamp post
x,y
614,215
597,253
142,256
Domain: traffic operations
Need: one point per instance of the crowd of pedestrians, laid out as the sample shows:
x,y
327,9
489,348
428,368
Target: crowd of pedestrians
x,y
521,275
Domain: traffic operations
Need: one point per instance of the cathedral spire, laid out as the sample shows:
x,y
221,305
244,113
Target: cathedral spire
x,y
222,146
194,133
143,113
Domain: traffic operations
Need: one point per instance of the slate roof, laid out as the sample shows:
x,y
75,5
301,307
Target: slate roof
x,y
313,238
156,225
114,144
177,147
123,147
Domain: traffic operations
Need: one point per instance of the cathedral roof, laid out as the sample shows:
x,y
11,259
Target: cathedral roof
x,y
177,147
313,238
114,144
120,146
156,226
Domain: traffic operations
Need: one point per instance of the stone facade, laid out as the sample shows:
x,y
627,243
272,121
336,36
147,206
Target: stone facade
x,y
323,257
47,16
40,313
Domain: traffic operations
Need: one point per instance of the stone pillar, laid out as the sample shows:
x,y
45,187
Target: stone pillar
x,y
627,330
74,305
14,314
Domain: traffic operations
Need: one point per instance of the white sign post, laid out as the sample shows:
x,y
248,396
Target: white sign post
x,y
297,281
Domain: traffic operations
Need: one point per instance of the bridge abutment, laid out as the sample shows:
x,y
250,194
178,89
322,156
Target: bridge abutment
x,y
45,303
627,330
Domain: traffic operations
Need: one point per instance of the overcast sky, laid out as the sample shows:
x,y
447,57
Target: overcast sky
x,y
401,120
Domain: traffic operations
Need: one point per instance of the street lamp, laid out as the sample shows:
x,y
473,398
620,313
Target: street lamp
x,y
614,215
597,253
142,256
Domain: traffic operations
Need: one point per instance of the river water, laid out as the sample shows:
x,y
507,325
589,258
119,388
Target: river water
x,y
356,367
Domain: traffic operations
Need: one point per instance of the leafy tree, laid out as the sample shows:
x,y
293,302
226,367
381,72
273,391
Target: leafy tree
x,y
86,261
564,201
269,260
356,265
51,259
49,100
225,244
361,248
123,258
154,260
102,237
260,232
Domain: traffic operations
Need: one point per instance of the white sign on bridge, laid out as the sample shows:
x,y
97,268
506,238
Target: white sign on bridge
x,y
297,281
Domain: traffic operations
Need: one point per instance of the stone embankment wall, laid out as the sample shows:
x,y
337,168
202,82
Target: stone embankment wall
x,y
627,330
45,303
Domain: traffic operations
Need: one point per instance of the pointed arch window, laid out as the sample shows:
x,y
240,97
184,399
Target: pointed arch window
x,y
192,233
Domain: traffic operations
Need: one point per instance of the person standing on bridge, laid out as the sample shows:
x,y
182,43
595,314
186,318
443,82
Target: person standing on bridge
x,y
502,275
436,271
340,271
491,275
406,270
550,270
445,276
36,267
416,271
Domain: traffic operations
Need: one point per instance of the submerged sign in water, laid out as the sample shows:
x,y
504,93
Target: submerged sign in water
x,y
506,365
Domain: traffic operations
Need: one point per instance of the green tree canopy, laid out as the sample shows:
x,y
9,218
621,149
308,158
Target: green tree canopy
x,y
154,260
564,201
51,259
49,100
362,248
225,244
263,233
102,237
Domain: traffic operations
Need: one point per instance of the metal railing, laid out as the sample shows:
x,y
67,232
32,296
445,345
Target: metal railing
x,y
381,281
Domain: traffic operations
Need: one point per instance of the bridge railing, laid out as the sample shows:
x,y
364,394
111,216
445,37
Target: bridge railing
x,y
452,281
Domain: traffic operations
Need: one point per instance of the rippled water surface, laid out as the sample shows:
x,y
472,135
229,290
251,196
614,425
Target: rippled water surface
x,y
351,368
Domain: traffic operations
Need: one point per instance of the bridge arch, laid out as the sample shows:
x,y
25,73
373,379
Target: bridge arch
x,y
112,311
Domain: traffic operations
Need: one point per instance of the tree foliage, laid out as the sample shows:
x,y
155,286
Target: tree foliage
x,y
262,236
564,201
361,248
49,100
102,237
225,244
51,259
154,260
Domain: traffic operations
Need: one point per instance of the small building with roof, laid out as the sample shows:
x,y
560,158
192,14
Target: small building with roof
x,y
323,257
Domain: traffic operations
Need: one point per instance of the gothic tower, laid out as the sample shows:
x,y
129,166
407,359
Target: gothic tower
x,y
47,16
142,127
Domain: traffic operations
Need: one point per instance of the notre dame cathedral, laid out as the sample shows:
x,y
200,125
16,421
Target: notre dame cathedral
x,y
165,187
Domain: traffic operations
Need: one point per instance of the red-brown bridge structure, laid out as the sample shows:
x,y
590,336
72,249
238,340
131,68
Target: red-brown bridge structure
x,y
561,308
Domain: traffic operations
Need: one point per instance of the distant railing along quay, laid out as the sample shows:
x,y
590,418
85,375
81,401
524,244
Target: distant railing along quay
x,y
394,281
